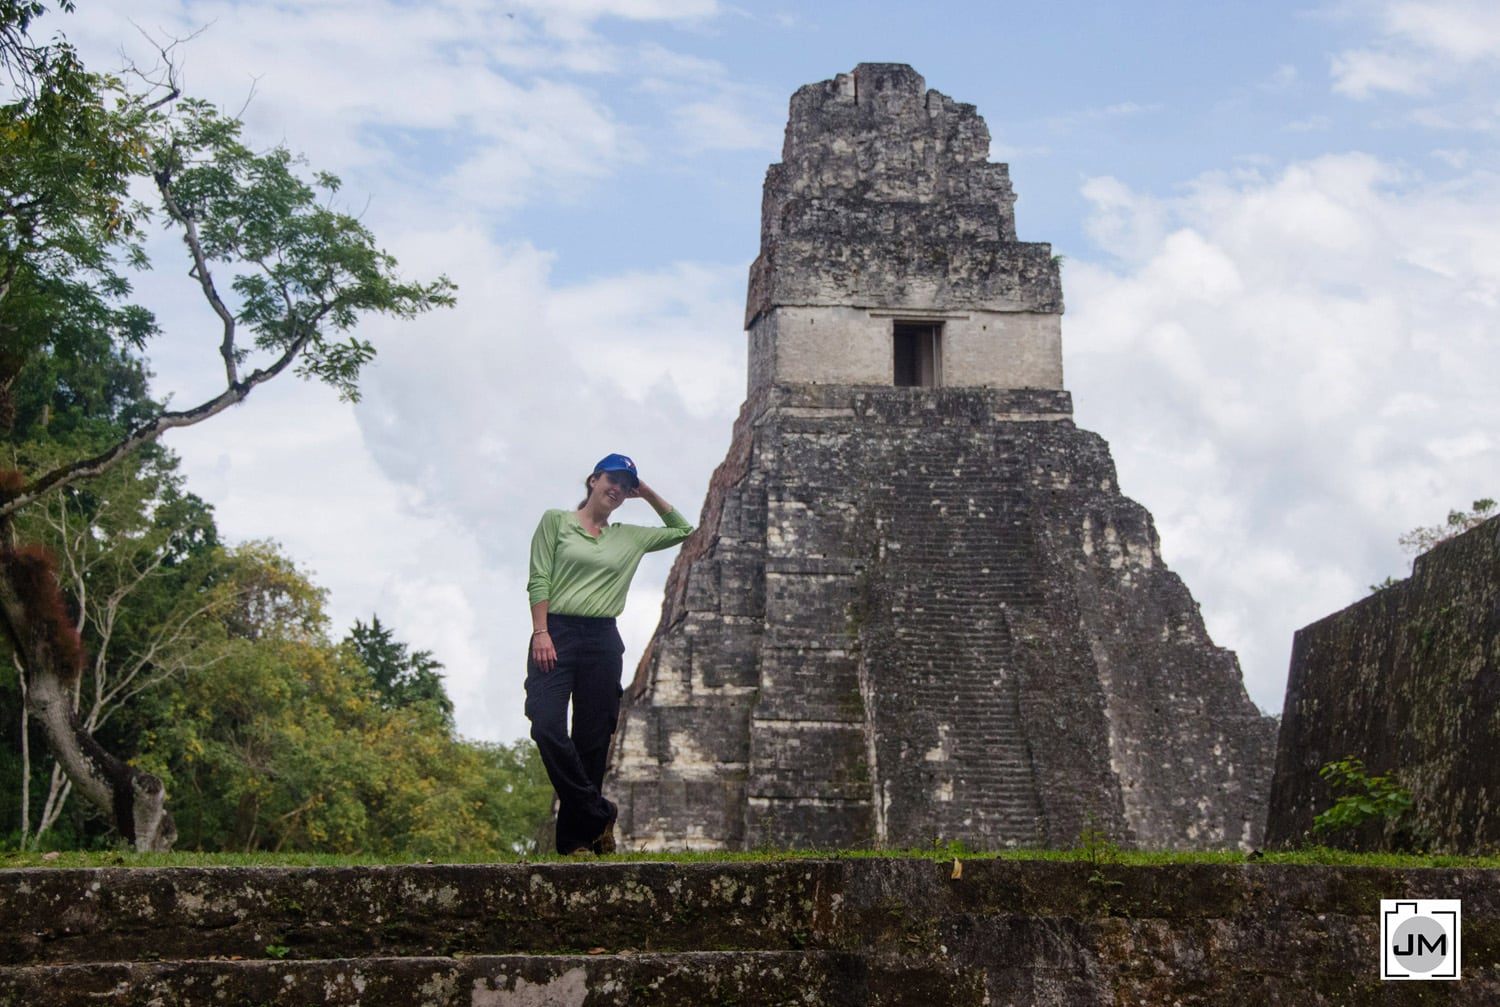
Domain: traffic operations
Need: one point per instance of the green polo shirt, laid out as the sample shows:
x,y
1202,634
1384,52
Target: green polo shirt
x,y
577,574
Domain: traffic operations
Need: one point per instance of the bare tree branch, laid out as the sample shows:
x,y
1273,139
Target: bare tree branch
x,y
204,276
148,432
164,77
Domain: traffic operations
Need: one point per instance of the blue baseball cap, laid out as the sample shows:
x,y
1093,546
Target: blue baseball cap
x,y
618,463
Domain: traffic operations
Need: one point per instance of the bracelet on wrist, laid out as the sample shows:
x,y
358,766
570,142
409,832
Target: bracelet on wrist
x,y
538,632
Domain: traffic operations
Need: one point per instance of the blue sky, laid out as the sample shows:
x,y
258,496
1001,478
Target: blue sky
x,y
1281,224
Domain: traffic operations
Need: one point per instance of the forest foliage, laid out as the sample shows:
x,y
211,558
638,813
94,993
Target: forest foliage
x,y
212,665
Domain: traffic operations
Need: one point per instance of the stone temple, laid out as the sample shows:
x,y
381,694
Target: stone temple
x,y
918,608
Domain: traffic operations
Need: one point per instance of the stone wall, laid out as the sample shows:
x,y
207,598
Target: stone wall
x,y
1407,680
818,933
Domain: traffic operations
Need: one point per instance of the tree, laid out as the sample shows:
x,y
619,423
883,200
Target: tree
x,y
1422,539
286,744
71,142
138,560
78,391
300,276
402,678
303,273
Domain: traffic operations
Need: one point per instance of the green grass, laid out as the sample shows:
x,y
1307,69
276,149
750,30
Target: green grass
x,y
1317,857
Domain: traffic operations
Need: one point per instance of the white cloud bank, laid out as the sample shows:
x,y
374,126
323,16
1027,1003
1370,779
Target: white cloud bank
x,y
1421,45
419,503
1292,369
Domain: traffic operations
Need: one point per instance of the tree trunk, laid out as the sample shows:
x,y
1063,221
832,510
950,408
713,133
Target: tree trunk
x,y
34,618
58,789
25,754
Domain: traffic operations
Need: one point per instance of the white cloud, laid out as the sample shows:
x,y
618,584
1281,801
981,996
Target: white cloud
x,y
1459,117
1463,30
1283,78
1360,73
674,332
561,13
487,106
1291,370
1293,365
291,465
709,108
418,503
715,126
1004,153
546,144
663,68
1119,110
1312,124
1421,44
1123,222
493,405
1127,108
488,414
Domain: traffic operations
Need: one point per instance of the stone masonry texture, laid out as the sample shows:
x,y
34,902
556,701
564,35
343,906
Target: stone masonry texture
x,y
885,197
1408,681
919,614
835,932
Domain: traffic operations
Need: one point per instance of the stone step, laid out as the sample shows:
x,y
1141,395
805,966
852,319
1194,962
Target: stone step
x,y
119,914
688,979
837,931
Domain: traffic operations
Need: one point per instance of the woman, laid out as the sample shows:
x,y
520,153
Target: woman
x,y
581,565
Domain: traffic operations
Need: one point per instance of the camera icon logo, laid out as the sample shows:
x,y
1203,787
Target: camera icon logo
x,y
1419,938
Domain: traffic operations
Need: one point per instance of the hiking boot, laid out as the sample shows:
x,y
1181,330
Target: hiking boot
x,y
606,841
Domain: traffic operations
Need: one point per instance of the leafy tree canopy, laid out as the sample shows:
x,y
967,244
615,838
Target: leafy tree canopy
x,y
288,744
288,276
401,677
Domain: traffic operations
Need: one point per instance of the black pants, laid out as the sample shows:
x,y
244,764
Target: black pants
x,y
587,674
